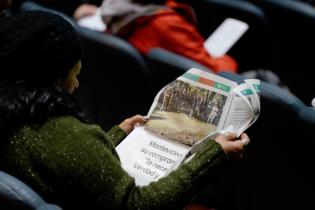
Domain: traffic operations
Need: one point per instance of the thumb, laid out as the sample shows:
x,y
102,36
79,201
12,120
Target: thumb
x,y
137,119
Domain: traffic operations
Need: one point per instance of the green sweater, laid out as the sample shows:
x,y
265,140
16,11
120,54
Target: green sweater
x,y
76,166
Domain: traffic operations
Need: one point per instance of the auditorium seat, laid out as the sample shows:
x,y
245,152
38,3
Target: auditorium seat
x,y
166,66
114,79
16,195
293,31
305,130
30,6
251,50
275,170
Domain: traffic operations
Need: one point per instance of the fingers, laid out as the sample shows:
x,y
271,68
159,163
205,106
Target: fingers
x,y
128,124
245,136
232,146
245,139
137,119
225,137
230,136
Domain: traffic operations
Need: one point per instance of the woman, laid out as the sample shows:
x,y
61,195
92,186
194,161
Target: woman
x,y
48,142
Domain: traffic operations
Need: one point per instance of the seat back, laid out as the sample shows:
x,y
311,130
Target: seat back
x,y
293,31
250,50
166,66
273,164
305,130
31,6
16,195
114,78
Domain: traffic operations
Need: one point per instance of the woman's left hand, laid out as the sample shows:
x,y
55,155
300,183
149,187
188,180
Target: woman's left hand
x,y
128,124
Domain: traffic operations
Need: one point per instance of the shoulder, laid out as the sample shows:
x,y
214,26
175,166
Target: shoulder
x,y
170,23
160,19
71,127
68,122
169,16
57,137
60,130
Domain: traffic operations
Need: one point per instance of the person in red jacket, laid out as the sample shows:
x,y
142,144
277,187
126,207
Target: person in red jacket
x,y
166,24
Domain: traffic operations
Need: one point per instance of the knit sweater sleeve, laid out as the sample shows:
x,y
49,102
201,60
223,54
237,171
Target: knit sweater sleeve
x,y
80,162
116,135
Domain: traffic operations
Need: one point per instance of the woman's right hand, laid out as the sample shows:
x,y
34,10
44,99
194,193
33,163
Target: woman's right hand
x,y
233,147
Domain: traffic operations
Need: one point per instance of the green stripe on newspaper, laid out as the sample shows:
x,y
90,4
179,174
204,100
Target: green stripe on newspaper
x,y
222,87
247,92
257,87
207,82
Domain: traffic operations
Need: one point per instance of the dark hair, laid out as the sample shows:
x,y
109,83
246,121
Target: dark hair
x,y
23,102
36,49
39,46
5,5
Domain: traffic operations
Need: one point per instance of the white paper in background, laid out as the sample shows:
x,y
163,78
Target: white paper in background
x,y
93,22
225,36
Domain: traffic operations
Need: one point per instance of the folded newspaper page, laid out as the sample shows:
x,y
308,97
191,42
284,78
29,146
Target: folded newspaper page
x,y
185,114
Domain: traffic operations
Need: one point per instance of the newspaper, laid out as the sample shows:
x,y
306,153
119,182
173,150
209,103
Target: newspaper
x,y
185,114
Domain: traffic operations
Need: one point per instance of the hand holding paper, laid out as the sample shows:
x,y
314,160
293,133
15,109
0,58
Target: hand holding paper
x,y
129,124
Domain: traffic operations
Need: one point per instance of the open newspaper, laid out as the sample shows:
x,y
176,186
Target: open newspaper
x,y
185,114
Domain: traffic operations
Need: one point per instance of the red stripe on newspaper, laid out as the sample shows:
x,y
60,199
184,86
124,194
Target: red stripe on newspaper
x,y
206,81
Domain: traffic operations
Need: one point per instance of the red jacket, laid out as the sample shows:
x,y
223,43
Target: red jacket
x,y
174,30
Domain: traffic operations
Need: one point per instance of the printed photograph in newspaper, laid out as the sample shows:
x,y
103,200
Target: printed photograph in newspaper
x,y
186,113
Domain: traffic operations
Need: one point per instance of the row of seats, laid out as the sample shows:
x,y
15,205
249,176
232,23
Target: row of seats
x,y
255,49
292,26
248,51
280,36
16,195
275,172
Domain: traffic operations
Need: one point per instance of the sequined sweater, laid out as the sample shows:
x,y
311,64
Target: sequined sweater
x,y
75,165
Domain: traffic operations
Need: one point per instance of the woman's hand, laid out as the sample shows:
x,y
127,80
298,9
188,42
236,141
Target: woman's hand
x,y
84,10
232,146
128,124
